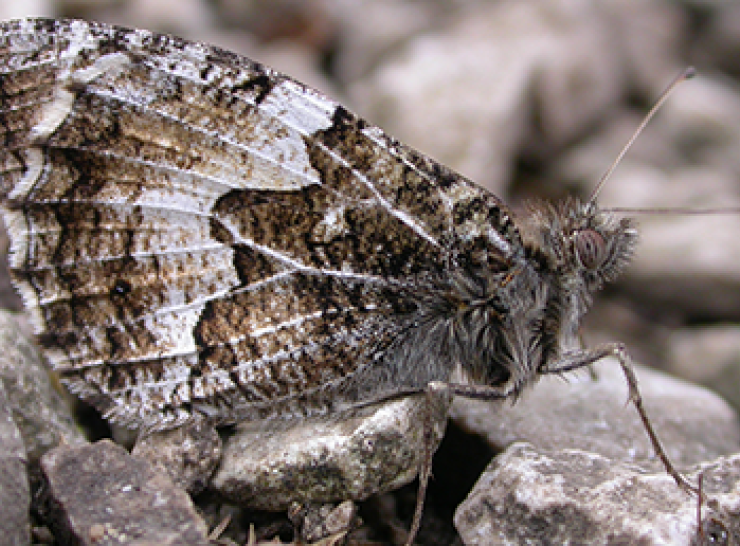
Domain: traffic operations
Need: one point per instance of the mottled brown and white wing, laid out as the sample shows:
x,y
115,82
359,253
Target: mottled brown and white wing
x,y
191,230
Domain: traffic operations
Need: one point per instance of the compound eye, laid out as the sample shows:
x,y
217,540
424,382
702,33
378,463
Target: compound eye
x,y
590,248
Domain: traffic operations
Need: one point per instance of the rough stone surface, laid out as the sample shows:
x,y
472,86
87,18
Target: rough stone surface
x,y
40,413
8,297
188,455
528,496
98,494
693,423
326,461
319,522
717,514
15,494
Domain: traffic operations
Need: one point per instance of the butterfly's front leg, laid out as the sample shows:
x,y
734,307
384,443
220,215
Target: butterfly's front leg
x,y
581,358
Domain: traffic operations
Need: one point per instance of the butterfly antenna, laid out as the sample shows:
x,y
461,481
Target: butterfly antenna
x,y
682,211
687,74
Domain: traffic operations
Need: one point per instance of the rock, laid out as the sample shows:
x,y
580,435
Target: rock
x,y
188,454
15,494
378,449
717,42
494,80
15,10
646,55
40,413
308,23
529,496
9,299
373,31
98,494
176,16
413,96
719,523
693,423
709,356
318,522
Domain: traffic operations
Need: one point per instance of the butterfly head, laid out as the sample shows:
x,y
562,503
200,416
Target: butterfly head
x,y
582,245
576,249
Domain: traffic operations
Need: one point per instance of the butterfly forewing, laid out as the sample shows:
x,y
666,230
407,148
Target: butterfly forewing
x,y
192,230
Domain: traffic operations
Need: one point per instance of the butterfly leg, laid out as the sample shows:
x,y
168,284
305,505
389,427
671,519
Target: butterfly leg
x,y
584,358
437,392
437,397
425,473
568,362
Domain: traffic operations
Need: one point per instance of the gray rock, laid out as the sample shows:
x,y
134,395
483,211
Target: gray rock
x,y
693,423
414,95
318,522
372,31
499,78
39,411
717,43
648,56
8,297
15,10
688,264
709,356
178,16
188,454
717,514
98,494
15,494
529,496
271,465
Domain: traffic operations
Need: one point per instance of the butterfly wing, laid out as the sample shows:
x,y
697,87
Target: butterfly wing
x,y
190,229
